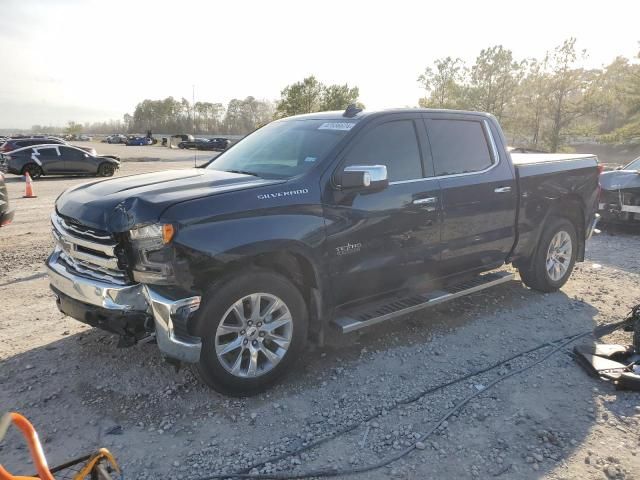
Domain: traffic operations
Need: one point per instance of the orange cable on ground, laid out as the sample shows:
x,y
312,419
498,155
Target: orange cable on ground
x,y
31,437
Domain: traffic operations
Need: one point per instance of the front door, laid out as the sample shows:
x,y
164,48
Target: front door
x,y
369,234
479,192
77,161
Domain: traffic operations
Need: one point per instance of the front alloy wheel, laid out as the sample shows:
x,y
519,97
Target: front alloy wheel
x,y
254,335
253,327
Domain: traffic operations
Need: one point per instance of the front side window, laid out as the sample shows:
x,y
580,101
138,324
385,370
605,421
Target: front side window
x,y
283,149
393,144
71,153
458,146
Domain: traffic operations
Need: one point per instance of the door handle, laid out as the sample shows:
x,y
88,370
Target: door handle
x,y
502,190
425,201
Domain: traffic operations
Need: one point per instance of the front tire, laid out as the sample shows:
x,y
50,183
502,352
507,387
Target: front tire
x,y
552,263
106,170
253,327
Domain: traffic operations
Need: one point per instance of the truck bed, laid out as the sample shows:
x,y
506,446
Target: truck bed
x,y
533,158
548,181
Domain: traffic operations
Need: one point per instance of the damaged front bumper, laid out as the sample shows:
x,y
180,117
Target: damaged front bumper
x,y
620,206
132,310
620,196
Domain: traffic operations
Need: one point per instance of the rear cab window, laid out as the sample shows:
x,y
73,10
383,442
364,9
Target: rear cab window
x,y
459,146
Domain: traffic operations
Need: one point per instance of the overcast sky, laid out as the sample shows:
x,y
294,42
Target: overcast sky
x,y
88,60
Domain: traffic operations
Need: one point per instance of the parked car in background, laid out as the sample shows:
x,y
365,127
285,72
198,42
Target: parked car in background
x,y
134,140
56,159
16,143
195,143
84,138
218,144
620,195
184,137
6,213
117,138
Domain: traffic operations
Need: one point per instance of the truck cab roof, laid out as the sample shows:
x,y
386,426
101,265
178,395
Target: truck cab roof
x,y
340,114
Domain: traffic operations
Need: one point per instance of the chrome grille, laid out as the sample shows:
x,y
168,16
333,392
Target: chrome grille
x,y
87,252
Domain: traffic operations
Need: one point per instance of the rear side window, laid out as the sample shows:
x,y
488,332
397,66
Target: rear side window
x,y
458,146
49,152
393,144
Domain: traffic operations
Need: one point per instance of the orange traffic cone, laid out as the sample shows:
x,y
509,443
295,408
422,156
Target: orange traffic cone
x,y
28,191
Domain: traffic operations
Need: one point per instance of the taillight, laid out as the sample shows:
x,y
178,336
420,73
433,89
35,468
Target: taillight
x,y
600,170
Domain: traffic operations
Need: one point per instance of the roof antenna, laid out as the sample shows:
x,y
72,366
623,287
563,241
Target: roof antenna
x,y
351,111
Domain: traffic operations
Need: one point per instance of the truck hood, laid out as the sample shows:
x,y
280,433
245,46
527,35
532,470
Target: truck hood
x,y
119,204
620,179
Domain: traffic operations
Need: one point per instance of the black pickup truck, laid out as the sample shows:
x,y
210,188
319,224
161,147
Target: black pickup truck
x,y
340,219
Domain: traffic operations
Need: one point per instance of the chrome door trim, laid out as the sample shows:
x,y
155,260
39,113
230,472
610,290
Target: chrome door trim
x,y
425,201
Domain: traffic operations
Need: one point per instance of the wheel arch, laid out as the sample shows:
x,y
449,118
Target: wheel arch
x,y
27,165
570,207
293,264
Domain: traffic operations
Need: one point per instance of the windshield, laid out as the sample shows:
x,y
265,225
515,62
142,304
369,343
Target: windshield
x,y
635,165
283,149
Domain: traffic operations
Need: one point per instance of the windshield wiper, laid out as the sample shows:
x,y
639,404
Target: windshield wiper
x,y
243,172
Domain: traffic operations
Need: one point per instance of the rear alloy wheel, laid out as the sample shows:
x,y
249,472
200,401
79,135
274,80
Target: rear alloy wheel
x,y
106,170
552,263
35,171
559,256
252,327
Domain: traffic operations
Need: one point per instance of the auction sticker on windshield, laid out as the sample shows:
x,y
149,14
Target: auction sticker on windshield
x,y
336,126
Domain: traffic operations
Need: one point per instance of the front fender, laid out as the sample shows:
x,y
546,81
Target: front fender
x,y
208,249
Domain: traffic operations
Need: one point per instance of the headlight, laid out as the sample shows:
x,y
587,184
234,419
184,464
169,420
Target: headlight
x,y
163,233
153,257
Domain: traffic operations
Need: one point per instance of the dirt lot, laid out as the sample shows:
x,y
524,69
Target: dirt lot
x,y
553,421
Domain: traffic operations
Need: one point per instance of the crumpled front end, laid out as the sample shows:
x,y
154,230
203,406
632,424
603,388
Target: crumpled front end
x,y
92,285
620,196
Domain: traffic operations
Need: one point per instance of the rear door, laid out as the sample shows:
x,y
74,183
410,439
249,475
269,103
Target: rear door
x,y
371,235
478,192
48,158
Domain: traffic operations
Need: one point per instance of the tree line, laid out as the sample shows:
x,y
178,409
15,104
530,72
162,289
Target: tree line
x,y
239,116
541,103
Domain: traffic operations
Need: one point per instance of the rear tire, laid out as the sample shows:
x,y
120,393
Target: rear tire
x,y
246,349
35,171
106,170
552,263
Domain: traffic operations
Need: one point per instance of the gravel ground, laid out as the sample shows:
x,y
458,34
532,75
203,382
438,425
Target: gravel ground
x,y
553,421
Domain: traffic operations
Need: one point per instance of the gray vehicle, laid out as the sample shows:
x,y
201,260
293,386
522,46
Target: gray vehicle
x,y
53,159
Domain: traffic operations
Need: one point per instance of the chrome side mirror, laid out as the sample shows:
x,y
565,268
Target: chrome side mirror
x,y
368,177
